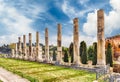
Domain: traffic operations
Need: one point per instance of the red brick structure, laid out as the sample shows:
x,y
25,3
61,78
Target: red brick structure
x,y
115,42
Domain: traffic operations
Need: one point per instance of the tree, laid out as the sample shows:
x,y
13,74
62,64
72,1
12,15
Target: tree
x,y
109,55
95,53
71,51
83,52
90,53
65,56
12,46
54,55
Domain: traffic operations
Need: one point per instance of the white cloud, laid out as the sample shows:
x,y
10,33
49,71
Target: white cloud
x,y
72,12
83,1
8,39
112,20
88,39
15,23
115,4
90,27
67,9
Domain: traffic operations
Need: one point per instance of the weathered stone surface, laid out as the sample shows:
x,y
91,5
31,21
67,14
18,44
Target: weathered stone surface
x,y
59,46
13,53
76,59
101,40
16,50
19,47
34,54
38,50
115,43
27,54
24,46
30,46
46,45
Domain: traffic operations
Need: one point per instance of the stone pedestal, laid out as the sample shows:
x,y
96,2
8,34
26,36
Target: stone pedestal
x,y
39,57
46,45
27,54
13,53
34,54
76,60
100,37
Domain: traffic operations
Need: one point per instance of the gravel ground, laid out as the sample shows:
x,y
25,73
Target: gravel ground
x,y
7,76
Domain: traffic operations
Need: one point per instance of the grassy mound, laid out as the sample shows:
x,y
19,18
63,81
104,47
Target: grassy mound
x,y
37,72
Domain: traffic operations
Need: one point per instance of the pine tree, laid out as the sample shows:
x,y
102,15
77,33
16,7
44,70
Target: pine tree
x,y
83,52
71,52
54,55
109,55
90,53
95,53
65,56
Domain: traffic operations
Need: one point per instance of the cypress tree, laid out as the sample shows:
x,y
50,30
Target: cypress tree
x,y
65,56
71,52
90,53
95,53
109,55
83,52
54,55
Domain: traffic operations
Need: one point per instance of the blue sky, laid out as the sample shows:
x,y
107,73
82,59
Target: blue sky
x,y
18,17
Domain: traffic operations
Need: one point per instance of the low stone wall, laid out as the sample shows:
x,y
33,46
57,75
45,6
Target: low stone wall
x,y
116,68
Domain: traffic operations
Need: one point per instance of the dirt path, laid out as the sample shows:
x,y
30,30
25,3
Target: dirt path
x,y
7,76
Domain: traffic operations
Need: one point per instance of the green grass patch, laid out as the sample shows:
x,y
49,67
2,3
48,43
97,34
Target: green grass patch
x,y
37,72
1,81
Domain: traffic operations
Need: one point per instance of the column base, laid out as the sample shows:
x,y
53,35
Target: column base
x,y
20,57
39,58
59,63
101,62
77,64
25,58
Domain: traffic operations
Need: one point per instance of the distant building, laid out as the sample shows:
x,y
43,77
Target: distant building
x,y
115,42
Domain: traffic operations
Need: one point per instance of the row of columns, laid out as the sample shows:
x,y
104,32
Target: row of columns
x,y
77,61
30,52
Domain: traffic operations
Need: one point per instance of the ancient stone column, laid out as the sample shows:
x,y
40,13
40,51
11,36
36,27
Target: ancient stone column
x,y
13,53
76,59
30,46
37,43
24,46
59,46
100,37
16,50
46,45
38,54
19,46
